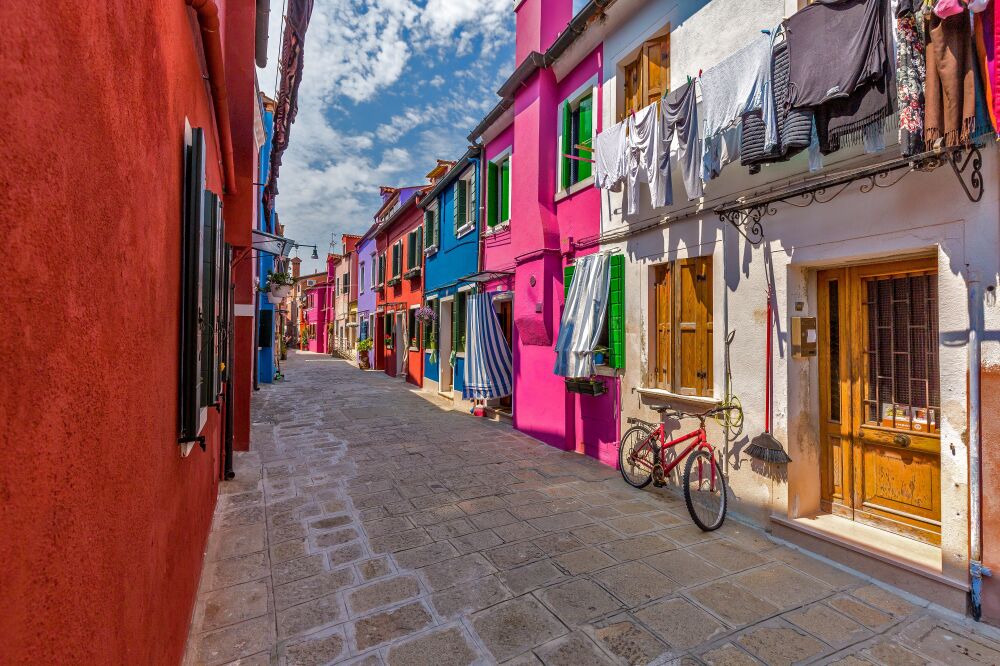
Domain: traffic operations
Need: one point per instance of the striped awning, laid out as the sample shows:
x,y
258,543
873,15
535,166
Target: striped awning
x,y
488,365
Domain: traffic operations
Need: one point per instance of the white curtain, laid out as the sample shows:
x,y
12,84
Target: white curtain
x,y
583,316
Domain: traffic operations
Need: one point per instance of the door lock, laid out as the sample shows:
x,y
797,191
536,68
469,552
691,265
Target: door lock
x,y
901,440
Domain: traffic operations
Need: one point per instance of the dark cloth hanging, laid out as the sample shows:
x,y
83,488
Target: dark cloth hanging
x,y
794,125
841,66
950,91
911,73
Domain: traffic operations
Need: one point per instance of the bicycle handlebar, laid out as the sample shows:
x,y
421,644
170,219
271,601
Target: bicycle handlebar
x,y
698,415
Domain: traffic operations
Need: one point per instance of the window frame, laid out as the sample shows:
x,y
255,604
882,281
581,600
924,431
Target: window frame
x,y
397,259
467,181
432,236
413,328
494,190
639,59
563,164
702,327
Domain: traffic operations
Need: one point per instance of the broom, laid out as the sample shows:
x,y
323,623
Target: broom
x,y
764,446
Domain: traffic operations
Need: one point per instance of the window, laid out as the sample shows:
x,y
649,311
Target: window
x,y
347,282
361,277
411,328
431,227
336,288
414,241
371,326
381,268
397,258
682,338
577,139
465,196
458,322
498,191
647,77
430,328
613,336
387,324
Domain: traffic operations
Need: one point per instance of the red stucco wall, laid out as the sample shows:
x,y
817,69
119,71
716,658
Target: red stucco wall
x,y
103,525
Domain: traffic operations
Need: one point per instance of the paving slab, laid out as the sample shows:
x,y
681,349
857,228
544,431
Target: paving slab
x,y
516,626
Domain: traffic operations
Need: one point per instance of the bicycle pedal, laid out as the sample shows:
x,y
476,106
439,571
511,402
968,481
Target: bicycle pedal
x,y
659,484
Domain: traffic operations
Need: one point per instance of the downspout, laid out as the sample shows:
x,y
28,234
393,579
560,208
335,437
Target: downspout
x,y
976,568
208,21
260,41
228,474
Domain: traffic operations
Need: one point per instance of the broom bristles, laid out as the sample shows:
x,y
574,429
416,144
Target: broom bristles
x,y
766,448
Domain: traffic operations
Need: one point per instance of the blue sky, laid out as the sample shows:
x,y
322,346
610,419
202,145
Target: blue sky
x,y
388,87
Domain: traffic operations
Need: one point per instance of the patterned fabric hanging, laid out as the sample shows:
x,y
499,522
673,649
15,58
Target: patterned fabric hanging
x,y
911,72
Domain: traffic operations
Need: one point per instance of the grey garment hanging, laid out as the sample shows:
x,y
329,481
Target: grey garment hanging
x,y
583,316
679,116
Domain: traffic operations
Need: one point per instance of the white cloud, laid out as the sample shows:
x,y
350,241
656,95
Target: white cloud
x,y
355,52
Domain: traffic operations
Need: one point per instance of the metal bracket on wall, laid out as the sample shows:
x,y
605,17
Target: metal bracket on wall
x,y
746,215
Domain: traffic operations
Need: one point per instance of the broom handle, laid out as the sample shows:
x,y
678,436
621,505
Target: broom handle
x,y
768,368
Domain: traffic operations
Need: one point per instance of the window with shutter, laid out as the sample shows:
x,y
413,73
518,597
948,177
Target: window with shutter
x,y
646,79
683,327
429,238
419,243
613,336
461,203
577,138
492,194
505,190
458,322
192,268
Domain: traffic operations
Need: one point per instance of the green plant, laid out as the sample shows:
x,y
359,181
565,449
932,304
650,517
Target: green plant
x,y
279,279
364,345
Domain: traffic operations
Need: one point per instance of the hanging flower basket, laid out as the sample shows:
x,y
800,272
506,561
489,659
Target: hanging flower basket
x,y
425,315
274,299
586,386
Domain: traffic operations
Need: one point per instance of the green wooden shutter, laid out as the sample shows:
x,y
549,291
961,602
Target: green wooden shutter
x,y
437,227
586,137
475,195
492,194
461,204
418,245
505,191
567,131
567,279
454,323
427,223
616,312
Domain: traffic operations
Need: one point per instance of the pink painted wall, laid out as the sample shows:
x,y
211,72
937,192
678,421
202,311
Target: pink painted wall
x,y
537,247
539,22
316,314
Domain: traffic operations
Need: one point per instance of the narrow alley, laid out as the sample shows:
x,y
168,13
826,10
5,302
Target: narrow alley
x,y
371,525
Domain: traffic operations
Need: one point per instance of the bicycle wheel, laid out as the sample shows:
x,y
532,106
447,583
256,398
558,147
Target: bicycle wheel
x,y
636,475
706,501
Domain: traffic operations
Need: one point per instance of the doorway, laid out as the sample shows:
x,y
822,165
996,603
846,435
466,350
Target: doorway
x,y
505,313
880,396
444,358
401,344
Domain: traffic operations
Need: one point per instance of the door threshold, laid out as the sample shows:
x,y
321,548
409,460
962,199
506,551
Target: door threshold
x,y
447,395
906,563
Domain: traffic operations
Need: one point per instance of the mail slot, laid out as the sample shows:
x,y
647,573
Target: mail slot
x,y
803,333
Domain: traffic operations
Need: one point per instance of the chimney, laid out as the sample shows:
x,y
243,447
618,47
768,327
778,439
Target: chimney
x,y
538,24
296,267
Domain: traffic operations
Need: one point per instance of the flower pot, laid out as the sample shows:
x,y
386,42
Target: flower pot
x,y
280,290
273,298
363,361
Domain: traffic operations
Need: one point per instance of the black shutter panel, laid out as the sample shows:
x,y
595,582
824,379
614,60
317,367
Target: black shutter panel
x,y
189,380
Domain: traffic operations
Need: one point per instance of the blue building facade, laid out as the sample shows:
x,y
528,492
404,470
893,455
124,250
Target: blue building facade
x,y
451,242
266,314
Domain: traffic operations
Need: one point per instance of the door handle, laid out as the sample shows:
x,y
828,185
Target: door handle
x,y
901,440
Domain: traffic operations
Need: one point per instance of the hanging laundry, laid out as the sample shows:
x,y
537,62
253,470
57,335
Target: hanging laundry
x,y
679,116
978,6
841,65
911,74
950,93
991,46
946,8
583,316
610,156
985,55
642,165
794,126
728,90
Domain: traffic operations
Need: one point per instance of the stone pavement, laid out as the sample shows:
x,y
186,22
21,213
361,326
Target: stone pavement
x,y
371,525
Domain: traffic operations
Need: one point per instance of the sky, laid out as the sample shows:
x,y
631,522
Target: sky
x,y
388,87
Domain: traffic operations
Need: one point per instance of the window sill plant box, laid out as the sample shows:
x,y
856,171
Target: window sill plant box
x,y
586,386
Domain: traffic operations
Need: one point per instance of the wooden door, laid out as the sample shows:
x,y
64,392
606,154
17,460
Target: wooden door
x,y
505,312
880,396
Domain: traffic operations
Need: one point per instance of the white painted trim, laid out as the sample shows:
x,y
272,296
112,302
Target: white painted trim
x,y
244,309
505,155
464,231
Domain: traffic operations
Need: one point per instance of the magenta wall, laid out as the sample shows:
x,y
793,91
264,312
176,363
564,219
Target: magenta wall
x,y
543,237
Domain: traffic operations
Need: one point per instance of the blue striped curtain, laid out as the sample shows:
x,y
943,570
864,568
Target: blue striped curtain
x,y
583,317
488,364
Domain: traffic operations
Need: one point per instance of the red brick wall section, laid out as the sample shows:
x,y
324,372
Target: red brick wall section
x,y
103,525
991,492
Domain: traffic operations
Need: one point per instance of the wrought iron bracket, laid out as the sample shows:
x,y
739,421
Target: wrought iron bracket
x,y
966,162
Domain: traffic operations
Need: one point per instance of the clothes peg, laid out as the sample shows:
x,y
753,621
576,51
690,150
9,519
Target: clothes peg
x,y
766,31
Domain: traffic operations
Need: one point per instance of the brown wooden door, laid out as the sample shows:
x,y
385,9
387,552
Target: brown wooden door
x,y
880,396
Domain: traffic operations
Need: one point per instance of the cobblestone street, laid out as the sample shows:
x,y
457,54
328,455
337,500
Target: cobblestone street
x,y
372,525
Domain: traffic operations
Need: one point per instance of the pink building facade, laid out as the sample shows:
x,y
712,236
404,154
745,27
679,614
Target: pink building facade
x,y
550,218
317,299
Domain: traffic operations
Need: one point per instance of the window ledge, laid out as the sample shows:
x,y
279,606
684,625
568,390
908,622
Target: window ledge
x,y
465,230
499,228
664,395
605,371
574,188
430,250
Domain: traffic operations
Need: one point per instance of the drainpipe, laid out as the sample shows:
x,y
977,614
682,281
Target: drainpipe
x,y
976,568
260,32
208,21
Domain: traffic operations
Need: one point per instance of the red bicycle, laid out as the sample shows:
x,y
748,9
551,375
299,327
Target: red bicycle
x,y
642,457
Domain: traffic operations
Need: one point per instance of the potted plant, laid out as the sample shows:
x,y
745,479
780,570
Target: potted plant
x,y
279,285
425,314
388,342
601,355
364,346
